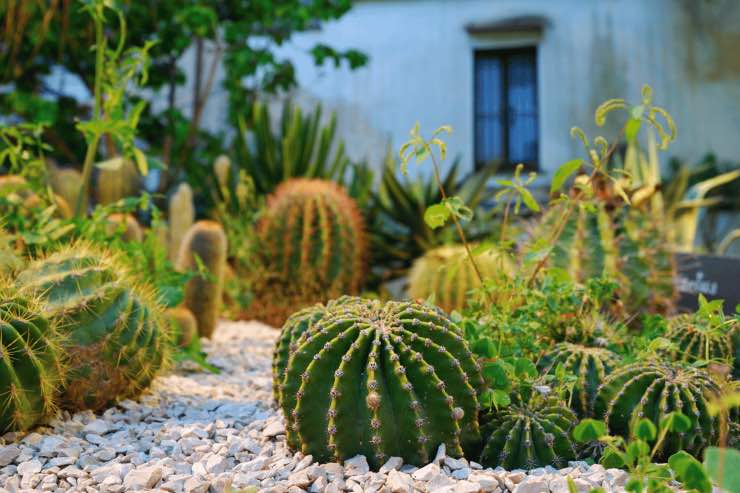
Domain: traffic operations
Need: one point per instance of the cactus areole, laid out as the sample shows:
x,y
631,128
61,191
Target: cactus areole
x,y
377,379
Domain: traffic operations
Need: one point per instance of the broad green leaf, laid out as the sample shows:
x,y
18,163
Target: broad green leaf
x,y
723,466
675,422
636,449
457,208
524,368
613,459
633,485
589,430
645,430
563,173
436,216
141,161
500,398
495,375
484,347
632,128
528,199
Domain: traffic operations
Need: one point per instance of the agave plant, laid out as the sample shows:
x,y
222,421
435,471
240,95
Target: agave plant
x,y
398,232
302,147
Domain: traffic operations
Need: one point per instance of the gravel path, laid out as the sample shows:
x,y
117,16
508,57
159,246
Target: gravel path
x,y
197,432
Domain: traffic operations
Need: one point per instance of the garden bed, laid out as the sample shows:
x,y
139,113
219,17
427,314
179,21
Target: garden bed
x,y
199,432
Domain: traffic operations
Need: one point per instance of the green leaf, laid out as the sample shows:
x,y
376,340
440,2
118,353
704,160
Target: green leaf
x,y
632,128
612,459
436,216
563,173
524,368
571,485
500,398
495,375
484,347
589,430
723,466
633,485
637,449
141,161
457,208
690,472
675,422
528,199
645,430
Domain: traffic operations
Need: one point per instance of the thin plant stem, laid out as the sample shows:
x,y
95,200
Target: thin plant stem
x,y
97,110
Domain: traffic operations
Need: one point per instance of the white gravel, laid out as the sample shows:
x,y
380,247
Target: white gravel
x,y
197,432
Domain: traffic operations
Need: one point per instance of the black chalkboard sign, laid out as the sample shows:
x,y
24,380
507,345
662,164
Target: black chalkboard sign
x,y
714,276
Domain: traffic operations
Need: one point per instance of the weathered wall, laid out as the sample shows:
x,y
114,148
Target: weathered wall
x,y
421,67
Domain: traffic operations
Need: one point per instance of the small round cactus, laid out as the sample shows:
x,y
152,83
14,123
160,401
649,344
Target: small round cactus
x,y
590,365
313,246
697,338
31,361
652,390
204,244
115,335
533,431
447,273
377,379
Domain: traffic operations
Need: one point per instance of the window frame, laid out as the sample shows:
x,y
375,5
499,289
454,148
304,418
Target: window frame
x,y
504,54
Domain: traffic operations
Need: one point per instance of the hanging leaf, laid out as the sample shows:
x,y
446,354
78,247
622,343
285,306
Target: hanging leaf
x,y
563,173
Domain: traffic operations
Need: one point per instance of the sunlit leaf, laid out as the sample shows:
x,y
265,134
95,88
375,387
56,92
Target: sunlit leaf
x,y
563,173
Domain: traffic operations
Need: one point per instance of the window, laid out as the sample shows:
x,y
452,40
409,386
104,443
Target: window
x,y
506,125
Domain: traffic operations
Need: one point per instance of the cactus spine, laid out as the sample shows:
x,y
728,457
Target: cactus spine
x,y
652,390
31,366
181,215
184,325
623,244
114,332
381,380
206,241
590,365
447,273
533,431
314,244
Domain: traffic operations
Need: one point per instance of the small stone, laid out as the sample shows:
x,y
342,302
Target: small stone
x,y
303,463
274,429
455,463
142,478
194,485
97,427
427,472
463,473
441,454
29,467
533,484
299,479
399,482
356,466
8,454
468,487
394,463
516,477
216,464
487,480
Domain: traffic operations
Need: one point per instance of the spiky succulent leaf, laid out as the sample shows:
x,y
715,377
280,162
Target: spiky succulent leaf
x,y
115,336
533,431
590,366
447,273
31,361
653,390
378,379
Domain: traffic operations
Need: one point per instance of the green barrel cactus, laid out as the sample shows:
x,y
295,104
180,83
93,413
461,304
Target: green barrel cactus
x,y
698,338
377,379
533,431
624,244
652,390
313,246
116,338
31,361
447,274
590,366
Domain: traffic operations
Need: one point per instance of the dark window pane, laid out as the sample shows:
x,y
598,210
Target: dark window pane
x,y
522,108
488,90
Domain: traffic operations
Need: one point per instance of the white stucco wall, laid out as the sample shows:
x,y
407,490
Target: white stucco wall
x,y
421,68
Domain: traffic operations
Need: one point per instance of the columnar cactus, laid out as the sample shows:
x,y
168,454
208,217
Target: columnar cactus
x,y
447,273
114,183
204,244
67,183
115,335
624,244
185,327
181,214
533,431
696,338
31,365
652,390
377,379
590,365
313,243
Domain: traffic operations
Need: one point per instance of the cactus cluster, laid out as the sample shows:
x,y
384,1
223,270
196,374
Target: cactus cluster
x,y
590,366
204,245
31,361
447,274
114,334
623,244
313,242
652,390
377,379
533,431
